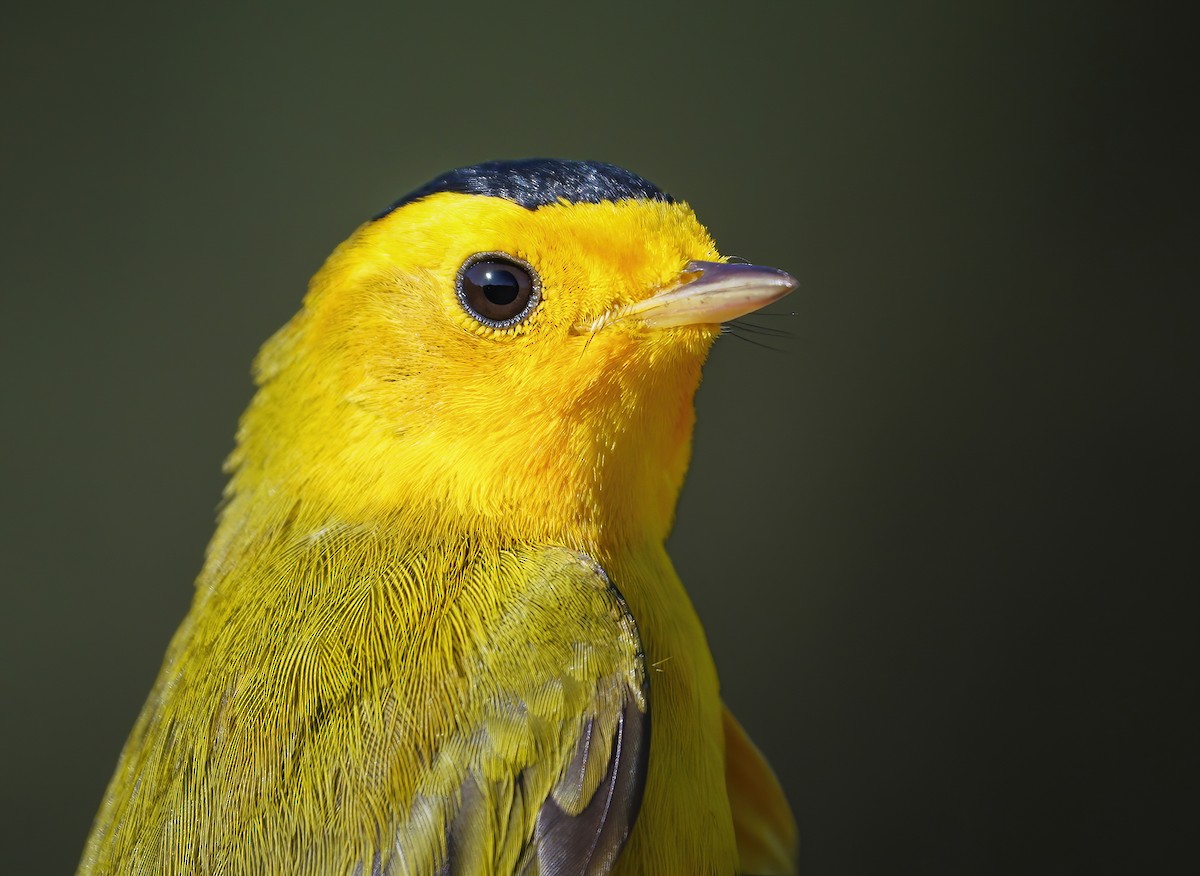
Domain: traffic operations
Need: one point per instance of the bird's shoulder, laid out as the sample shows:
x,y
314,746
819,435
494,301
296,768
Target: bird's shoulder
x,y
406,711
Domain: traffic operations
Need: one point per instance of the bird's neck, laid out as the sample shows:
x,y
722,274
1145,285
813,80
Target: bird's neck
x,y
595,485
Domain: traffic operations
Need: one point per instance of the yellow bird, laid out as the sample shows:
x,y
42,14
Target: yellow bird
x,y
437,631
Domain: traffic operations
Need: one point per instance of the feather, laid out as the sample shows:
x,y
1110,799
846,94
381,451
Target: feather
x,y
762,819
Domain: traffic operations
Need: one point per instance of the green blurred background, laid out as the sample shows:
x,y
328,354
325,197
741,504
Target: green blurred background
x,y
934,532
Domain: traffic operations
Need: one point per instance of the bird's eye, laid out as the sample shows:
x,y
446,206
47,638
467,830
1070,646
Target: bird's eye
x,y
497,289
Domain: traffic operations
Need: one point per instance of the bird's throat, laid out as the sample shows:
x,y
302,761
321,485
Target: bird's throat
x,y
599,472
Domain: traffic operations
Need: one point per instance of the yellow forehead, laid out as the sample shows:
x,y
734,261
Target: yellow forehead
x,y
589,257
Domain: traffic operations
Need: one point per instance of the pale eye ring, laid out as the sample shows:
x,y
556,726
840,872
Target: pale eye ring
x,y
497,289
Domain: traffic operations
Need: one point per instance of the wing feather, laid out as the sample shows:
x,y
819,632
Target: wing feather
x,y
589,842
547,778
337,705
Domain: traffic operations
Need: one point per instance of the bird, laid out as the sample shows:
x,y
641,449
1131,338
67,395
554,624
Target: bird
x,y
436,630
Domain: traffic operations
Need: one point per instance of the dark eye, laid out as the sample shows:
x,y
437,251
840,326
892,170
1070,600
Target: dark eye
x,y
497,289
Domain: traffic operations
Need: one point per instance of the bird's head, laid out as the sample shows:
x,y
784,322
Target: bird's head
x,y
514,346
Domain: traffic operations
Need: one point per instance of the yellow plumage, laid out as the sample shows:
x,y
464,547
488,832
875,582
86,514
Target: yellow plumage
x,y
436,630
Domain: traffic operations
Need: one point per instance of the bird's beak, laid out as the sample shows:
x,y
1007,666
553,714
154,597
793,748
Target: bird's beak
x,y
708,293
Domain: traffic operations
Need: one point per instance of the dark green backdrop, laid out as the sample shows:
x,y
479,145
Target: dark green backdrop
x,y
933,533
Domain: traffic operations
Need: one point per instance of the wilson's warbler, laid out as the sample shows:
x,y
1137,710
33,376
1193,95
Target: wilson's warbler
x,y
436,631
